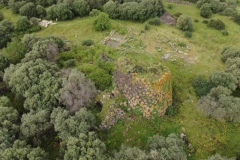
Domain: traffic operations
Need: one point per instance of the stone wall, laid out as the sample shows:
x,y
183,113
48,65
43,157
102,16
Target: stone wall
x,y
150,97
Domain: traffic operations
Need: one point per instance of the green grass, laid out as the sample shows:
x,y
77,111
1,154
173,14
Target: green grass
x,y
7,13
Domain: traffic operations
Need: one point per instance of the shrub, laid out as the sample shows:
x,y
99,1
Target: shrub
x,y
185,23
146,27
34,28
15,6
29,10
170,6
87,42
80,8
188,34
224,33
229,52
205,21
215,6
222,6
22,24
70,63
196,20
101,79
200,3
201,85
154,21
217,24
181,44
102,22
1,16
8,24
205,10
41,12
229,12
94,12
111,8
237,19
178,14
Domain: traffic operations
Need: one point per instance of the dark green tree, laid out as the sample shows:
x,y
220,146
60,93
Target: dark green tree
x,y
37,81
9,128
185,23
20,150
80,8
1,16
220,78
72,125
41,12
84,146
14,51
29,10
205,10
111,8
22,24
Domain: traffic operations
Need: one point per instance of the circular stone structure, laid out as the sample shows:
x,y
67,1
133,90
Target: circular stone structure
x,y
148,89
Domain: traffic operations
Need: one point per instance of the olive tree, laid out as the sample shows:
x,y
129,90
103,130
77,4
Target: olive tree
x,y
185,23
205,10
77,91
29,10
37,81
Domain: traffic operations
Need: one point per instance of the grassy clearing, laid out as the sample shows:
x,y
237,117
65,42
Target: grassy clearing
x,y
7,13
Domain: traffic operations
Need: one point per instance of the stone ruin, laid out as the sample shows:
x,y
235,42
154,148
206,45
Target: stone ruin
x,y
45,23
114,39
151,96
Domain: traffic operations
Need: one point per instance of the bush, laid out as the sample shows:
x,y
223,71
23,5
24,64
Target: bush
x,y
188,34
205,21
170,6
146,27
178,14
229,52
196,20
29,10
154,21
22,24
237,19
217,24
111,8
102,22
94,12
215,6
87,42
181,44
80,8
224,33
201,85
229,12
185,23
41,12
60,11
70,63
205,10
15,6
101,79
200,3
1,16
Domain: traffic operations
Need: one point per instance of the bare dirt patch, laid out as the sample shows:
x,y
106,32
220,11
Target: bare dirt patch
x,y
168,19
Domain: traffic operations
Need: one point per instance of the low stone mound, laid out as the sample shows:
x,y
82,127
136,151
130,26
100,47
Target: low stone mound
x,y
45,23
168,19
147,89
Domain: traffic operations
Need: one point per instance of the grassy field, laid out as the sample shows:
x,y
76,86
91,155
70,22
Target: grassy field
x,y
202,56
